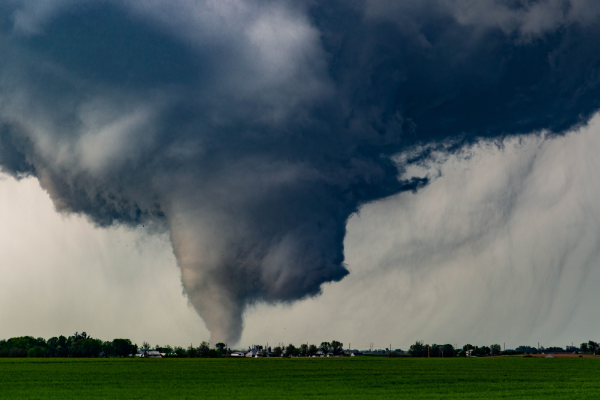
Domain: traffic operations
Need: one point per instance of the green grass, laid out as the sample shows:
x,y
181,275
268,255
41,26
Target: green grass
x,y
347,378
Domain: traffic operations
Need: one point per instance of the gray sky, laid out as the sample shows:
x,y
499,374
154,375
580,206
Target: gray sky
x,y
365,170
503,247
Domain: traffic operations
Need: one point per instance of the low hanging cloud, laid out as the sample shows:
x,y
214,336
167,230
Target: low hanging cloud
x,y
251,131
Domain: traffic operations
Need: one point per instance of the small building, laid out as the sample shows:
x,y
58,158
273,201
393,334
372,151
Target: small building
x,y
151,354
256,351
353,353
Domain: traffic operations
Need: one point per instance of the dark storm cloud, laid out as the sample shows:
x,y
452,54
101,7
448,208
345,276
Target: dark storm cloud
x,y
252,130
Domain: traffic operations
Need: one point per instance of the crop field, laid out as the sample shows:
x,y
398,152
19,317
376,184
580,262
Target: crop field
x,y
347,378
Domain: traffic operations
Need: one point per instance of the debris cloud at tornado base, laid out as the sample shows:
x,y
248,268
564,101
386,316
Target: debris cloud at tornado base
x,y
251,131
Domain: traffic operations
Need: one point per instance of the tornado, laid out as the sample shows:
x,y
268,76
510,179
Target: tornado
x,y
251,131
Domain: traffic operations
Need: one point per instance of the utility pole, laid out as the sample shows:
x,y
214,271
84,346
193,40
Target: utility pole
x,y
427,351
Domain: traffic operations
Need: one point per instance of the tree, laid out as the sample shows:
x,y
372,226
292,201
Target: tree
x,y
108,349
164,349
337,348
303,350
221,347
277,351
325,347
584,347
123,347
446,350
312,350
90,347
83,345
19,346
291,350
52,347
496,349
527,349
418,349
550,350
63,346
204,349
180,351
145,346
36,351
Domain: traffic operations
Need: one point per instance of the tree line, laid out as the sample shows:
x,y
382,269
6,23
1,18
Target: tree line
x,y
334,347
83,345
420,349
77,345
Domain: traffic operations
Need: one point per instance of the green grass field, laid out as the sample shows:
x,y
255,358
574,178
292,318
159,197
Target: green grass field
x,y
346,378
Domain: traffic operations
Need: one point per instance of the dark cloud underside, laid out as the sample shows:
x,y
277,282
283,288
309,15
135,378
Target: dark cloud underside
x,y
251,131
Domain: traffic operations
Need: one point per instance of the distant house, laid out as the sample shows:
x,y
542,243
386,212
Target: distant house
x,y
238,354
151,354
256,351
353,353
